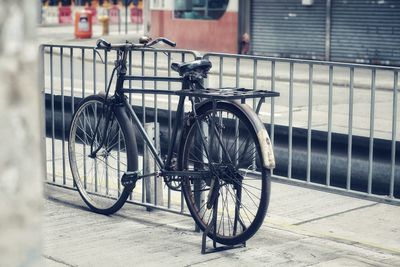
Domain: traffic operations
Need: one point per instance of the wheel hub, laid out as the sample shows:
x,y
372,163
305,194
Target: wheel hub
x,y
101,154
228,174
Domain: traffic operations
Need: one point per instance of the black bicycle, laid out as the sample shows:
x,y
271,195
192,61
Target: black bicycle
x,y
223,152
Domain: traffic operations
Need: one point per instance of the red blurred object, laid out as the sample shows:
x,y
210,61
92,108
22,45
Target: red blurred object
x,y
83,24
136,15
94,13
64,15
113,14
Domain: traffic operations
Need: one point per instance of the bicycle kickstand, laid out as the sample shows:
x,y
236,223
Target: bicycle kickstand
x,y
212,228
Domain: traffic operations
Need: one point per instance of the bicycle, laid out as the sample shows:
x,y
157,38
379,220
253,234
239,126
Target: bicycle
x,y
223,154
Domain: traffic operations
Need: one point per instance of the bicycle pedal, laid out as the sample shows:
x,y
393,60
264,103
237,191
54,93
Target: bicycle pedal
x,y
129,179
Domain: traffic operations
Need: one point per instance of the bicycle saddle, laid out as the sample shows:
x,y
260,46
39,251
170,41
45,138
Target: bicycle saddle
x,y
185,67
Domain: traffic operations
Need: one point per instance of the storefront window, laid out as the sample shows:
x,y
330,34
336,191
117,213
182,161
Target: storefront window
x,y
200,9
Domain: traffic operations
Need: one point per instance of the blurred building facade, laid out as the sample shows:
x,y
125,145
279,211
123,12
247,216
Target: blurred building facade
x,y
199,24
90,2
365,31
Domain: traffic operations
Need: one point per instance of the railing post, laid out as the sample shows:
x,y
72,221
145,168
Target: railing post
x,y
153,185
41,79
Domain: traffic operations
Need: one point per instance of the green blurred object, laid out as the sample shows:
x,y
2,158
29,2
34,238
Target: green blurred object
x,y
200,9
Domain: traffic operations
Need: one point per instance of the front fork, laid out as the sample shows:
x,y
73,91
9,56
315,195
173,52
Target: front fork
x,y
107,113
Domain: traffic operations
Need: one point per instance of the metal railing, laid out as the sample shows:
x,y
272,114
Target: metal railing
x,y
347,141
334,126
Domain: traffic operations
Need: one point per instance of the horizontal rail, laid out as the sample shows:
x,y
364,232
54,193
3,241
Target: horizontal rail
x,y
302,61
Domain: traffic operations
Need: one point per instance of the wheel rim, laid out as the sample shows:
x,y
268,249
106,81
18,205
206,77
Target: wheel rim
x,y
241,209
97,176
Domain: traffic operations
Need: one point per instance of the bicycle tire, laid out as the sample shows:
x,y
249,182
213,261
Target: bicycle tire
x,y
100,186
189,158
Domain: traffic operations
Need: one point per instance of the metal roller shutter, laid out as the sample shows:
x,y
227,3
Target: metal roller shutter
x,y
286,28
366,31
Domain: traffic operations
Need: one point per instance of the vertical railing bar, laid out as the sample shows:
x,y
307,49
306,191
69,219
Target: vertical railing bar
x,y
169,117
255,66
94,72
105,69
237,72
290,121
105,84
83,96
95,91
394,134
255,70
329,146
42,86
350,131
155,127
62,114
182,197
52,116
71,62
237,67
371,131
130,74
221,70
130,102
309,126
143,120
272,107
83,71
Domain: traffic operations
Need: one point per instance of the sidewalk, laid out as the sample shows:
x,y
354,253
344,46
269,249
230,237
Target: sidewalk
x,y
304,227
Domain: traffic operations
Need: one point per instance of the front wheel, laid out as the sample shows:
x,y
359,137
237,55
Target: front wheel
x,y
232,155
101,148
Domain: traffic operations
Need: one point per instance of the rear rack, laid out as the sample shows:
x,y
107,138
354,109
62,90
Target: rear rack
x,y
225,93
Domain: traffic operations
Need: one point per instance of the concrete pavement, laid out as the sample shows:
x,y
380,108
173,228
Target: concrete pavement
x,y
304,227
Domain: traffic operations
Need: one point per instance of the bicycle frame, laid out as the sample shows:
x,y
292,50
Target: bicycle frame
x,y
120,94
139,126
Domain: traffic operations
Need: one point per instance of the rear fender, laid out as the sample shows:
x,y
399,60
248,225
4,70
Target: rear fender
x,y
262,134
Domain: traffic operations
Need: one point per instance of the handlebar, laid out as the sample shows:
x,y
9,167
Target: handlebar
x,y
103,44
161,39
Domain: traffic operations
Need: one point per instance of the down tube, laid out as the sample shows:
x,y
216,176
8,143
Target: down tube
x,y
143,133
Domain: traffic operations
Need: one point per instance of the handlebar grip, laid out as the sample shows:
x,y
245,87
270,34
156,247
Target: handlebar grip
x,y
103,44
168,42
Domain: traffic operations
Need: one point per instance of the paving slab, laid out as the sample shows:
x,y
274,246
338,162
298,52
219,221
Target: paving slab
x,y
295,233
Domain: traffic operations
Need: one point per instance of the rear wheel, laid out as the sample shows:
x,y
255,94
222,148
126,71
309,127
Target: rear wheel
x,y
97,176
234,160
